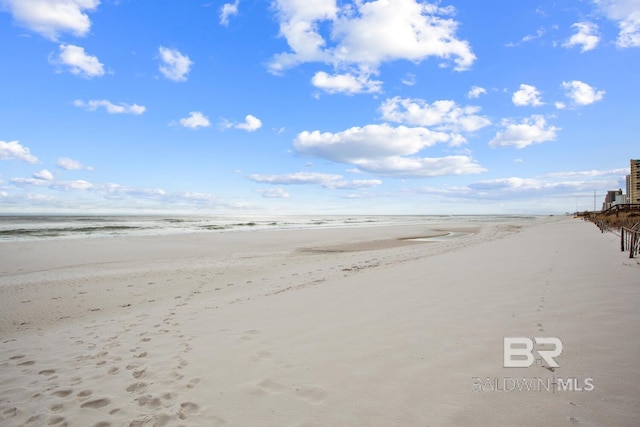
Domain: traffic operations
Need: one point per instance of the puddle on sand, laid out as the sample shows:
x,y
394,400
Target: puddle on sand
x,y
449,236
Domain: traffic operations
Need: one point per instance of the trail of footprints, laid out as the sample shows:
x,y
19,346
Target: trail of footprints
x,y
540,328
261,352
104,360
162,403
157,403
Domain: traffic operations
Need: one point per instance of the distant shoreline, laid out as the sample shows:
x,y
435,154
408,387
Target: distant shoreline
x,y
16,228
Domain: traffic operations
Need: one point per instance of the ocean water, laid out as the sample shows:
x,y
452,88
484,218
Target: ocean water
x,y
32,227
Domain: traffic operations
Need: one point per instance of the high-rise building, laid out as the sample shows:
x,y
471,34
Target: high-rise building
x,y
610,198
634,182
628,182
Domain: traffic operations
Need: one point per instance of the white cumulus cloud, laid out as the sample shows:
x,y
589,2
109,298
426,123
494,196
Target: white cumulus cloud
x,y
581,93
586,37
78,61
295,178
195,120
50,18
417,167
251,123
409,79
273,193
590,173
381,31
626,13
14,150
345,83
523,188
175,66
130,197
227,10
79,184
475,92
370,141
122,108
354,184
70,164
527,95
326,180
43,174
385,150
532,130
443,115
361,36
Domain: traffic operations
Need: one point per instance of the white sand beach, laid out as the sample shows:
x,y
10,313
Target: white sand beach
x,y
322,327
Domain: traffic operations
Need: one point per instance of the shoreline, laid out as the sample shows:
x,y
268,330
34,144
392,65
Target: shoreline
x,y
192,330
38,228
102,264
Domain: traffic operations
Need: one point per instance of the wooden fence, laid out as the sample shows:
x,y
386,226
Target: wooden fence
x,y
629,236
630,240
602,225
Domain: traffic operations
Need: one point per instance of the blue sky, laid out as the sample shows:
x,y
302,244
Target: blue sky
x,y
316,106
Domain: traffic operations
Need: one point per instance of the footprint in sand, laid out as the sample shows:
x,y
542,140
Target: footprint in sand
x,y
193,382
150,401
177,376
270,386
47,372
311,394
56,420
137,387
138,373
56,408
62,393
11,412
186,409
84,394
169,395
152,420
96,403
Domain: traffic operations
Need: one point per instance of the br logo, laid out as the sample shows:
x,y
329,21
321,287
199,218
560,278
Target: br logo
x,y
518,351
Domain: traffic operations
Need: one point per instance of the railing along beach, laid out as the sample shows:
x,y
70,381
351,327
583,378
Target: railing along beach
x,y
630,240
612,220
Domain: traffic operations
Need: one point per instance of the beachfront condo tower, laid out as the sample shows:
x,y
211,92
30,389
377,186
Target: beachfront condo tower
x,y
634,182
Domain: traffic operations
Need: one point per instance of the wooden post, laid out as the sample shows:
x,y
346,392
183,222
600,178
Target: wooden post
x,y
622,239
633,245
